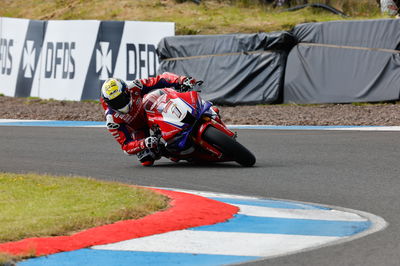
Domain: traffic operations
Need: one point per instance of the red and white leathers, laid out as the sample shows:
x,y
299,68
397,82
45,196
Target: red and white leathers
x,y
131,129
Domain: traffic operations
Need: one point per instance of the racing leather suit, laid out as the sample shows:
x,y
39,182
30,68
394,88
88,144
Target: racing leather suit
x,y
131,129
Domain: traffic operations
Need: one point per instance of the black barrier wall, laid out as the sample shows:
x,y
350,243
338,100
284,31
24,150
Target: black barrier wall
x,y
344,62
236,68
329,62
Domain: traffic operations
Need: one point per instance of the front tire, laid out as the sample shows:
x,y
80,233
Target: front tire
x,y
229,146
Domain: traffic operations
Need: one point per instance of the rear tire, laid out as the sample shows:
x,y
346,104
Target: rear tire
x,y
229,146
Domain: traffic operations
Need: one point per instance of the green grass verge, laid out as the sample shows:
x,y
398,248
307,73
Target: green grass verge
x,y
38,206
210,17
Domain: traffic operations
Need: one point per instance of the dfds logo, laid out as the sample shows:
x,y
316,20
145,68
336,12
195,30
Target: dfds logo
x,y
5,56
104,60
29,59
60,62
141,59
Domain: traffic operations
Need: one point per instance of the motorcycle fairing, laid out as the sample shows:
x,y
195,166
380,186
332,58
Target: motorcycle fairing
x,y
177,115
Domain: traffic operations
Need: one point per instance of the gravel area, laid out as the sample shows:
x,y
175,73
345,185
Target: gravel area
x,y
387,114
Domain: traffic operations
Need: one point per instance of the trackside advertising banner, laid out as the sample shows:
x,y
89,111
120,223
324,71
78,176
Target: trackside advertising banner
x,y
64,59
13,32
126,50
138,58
69,60
30,57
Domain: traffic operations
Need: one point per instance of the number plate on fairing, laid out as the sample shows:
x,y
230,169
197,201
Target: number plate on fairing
x,y
175,112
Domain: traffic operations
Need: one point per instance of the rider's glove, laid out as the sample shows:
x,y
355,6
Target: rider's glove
x,y
187,84
151,142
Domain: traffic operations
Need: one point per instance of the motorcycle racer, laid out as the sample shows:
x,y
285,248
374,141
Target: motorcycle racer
x,y
125,116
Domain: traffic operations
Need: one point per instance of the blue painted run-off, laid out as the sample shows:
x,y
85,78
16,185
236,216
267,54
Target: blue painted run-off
x,y
270,225
271,203
93,257
238,224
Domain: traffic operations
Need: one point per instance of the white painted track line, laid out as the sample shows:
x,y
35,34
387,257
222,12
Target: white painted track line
x,y
332,215
220,243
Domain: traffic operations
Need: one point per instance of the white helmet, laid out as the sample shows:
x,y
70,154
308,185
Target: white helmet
x,y
115,94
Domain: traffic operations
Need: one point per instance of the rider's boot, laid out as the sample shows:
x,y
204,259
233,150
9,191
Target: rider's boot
x,y
174,159
147,163
146,157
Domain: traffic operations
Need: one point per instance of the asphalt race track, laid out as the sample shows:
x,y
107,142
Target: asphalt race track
x,y
357,170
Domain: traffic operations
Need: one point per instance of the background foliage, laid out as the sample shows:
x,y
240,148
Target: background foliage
x,y
208,17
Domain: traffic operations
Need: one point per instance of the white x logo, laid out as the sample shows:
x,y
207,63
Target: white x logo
x,y
104,60
29,59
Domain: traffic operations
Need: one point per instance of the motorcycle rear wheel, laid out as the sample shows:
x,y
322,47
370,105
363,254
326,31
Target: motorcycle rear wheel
x,y
229,146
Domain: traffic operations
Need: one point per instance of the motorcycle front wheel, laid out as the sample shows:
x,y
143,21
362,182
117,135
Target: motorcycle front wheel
x,y
229,146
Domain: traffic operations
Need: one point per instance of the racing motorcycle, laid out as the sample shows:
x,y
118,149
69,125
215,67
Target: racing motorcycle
x,y
190,128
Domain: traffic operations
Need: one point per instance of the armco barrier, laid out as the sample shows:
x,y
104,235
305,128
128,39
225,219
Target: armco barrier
x,y
68,60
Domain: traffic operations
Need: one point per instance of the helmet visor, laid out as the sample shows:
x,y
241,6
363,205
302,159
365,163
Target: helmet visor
x,y
119,102
125,109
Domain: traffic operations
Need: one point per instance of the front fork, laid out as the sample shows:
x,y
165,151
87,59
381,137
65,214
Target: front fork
x,y
204,144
